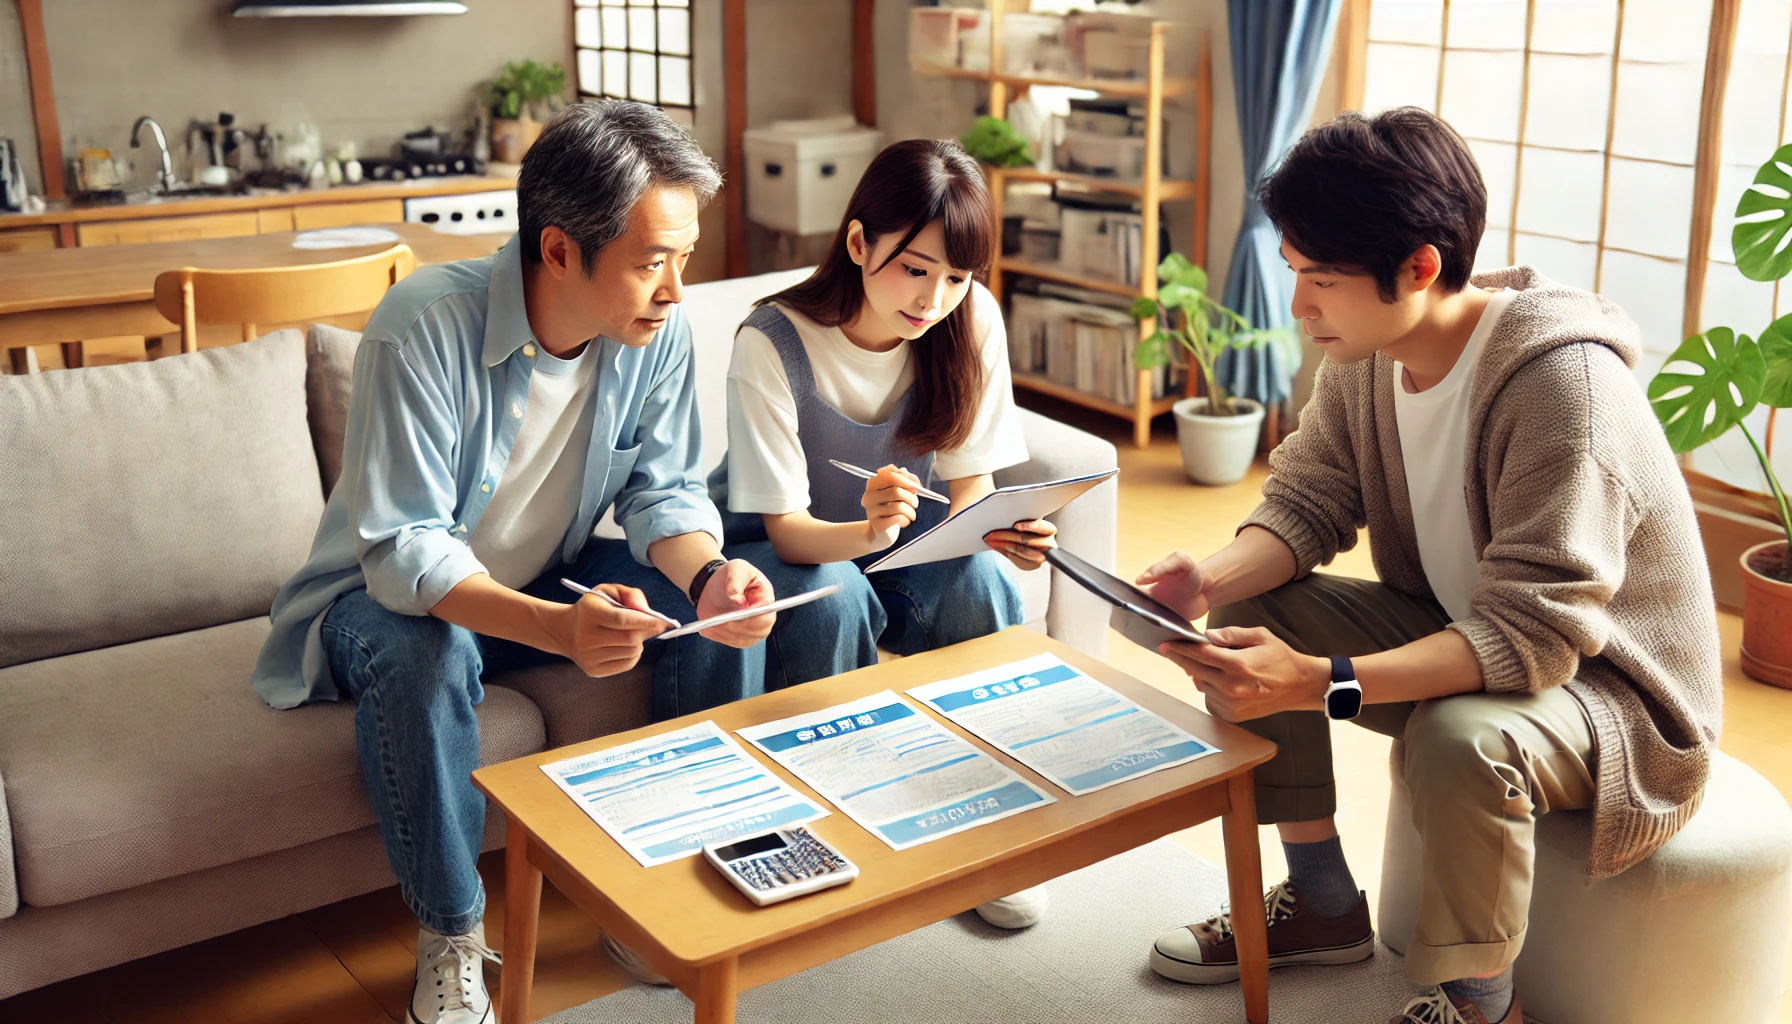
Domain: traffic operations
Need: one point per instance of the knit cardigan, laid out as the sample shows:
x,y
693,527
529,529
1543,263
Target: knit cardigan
x,y
1591,572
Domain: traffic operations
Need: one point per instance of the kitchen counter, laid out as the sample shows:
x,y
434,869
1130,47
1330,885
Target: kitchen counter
x,y
64,211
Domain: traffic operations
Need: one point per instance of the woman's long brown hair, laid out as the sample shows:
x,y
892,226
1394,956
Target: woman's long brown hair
x,y
907,187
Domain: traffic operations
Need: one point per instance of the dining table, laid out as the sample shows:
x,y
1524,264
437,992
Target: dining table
x,y
68,296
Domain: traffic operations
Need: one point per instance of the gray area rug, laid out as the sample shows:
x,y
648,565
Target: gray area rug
x,y
1085,962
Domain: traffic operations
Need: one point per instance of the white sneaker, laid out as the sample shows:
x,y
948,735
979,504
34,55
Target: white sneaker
x,y
630,961
450,980
1021,910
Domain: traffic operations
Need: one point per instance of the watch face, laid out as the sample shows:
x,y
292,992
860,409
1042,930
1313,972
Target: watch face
x,y
1344,702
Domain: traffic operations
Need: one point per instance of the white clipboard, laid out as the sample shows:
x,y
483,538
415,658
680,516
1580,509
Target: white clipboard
x,y
748,613
1000,509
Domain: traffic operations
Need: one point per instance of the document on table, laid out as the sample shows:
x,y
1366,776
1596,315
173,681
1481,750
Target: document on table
x,y
1075,731
903,776
666,796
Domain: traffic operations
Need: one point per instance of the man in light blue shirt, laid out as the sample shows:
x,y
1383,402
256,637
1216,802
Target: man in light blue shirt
x,y
500,407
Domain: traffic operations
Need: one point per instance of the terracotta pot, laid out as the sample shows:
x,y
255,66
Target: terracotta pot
x,y
1766,619
512,137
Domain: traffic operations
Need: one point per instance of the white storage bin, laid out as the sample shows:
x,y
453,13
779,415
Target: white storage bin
x,y
800,174
948,37
1101,156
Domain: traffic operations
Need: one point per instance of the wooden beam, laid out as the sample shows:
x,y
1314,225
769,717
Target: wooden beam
x,y
734,74
1353,53
43,97
1719,46
864,62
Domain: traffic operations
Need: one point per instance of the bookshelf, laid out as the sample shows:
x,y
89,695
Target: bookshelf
x,y
1152,190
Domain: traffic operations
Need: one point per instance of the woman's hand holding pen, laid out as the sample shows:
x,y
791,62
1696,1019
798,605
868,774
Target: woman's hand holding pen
x,y
889,501
1026,544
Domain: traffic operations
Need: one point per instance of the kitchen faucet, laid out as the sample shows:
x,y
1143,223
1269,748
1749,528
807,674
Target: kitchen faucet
x,y
166,181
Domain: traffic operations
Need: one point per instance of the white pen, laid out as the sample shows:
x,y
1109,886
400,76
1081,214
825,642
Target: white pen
x,y
612,602
865,474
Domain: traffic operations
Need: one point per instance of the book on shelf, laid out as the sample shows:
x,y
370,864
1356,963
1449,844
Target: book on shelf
x,y
1087,346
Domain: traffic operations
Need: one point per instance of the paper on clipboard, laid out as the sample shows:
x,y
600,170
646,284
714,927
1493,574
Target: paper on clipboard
x,y
747,613
962,534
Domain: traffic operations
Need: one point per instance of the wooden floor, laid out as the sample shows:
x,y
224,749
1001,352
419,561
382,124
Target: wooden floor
x,y
351,962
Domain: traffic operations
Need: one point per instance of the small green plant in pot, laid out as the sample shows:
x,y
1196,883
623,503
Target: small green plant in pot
x,y
1217,432
523,95
1714,380
997,143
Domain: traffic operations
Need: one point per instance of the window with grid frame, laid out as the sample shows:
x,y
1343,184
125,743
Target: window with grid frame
x,y
635,50
1584,118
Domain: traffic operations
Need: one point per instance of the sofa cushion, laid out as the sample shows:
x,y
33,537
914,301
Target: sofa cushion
x,y
329,376
140,762
151,498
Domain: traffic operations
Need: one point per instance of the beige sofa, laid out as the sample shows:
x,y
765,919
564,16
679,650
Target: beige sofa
x,y
147,515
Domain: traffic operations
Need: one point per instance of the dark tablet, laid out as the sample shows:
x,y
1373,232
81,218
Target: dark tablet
x,y
1137,615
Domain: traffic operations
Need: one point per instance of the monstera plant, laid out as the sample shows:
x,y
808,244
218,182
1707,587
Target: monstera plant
x,y
1714,380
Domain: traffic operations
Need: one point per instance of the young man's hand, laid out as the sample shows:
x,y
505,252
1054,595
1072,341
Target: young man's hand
x,y
1252,675
1026,544
738,584
602,639
890,504
1176,580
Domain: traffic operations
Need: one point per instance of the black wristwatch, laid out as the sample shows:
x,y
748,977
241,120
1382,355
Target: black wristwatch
x,y
701,580
1344,698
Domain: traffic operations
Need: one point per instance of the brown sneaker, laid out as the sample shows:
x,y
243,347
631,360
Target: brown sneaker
x,y
1205,953
1437,1007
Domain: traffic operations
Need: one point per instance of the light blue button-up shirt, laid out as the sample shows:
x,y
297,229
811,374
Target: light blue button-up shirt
x,y
441,384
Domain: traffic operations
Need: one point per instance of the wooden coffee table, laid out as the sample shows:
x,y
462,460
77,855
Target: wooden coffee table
x,y
696,929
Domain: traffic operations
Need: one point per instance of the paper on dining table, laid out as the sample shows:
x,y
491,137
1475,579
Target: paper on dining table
x,y
666,796
903,776
1075,731
343,238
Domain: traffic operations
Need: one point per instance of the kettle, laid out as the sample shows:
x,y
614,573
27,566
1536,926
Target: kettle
x,y
12,177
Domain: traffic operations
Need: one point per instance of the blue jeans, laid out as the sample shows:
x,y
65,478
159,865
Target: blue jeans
x,y
415,682
943,603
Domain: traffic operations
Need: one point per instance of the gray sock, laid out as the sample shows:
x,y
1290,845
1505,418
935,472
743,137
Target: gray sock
x,y
1318,872
1492,996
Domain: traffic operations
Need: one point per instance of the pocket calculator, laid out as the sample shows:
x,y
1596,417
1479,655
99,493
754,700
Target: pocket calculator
x,y
777,865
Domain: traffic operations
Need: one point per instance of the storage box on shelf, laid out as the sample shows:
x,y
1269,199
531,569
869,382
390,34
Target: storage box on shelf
x,y
800,174
1119,56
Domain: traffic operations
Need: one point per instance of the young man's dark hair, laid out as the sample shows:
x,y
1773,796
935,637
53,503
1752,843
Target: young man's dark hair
x,y
1364,191
592,164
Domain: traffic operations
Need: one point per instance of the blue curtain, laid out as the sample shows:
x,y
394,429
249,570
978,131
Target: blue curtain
x,y
1279,52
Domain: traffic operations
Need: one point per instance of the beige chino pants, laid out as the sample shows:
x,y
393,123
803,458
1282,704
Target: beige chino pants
x,y
1480,766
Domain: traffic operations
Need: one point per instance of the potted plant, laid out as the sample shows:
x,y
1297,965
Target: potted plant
x,y
997,143
1716,379
1217,432
522,90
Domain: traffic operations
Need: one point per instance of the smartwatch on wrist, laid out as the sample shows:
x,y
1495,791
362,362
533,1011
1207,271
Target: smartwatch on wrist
x,y
701,580
1344,698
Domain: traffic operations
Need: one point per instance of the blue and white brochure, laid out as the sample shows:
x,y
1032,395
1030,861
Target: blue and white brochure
x,y
1079,733
666,796
903,776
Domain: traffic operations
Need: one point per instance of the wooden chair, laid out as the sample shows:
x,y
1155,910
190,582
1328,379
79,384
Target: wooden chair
x,y
256,298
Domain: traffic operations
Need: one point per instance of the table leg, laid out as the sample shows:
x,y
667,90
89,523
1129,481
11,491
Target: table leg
x,y
522,912
717,986
1244,873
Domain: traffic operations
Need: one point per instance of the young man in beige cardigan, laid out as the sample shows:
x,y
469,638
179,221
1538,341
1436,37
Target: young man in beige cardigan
x,y
1543,635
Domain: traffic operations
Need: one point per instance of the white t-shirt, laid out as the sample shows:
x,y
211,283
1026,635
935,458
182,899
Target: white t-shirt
x,y
1433,428
767,473
535,502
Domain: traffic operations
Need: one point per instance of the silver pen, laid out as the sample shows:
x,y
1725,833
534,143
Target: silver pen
x,y
865,474
612,602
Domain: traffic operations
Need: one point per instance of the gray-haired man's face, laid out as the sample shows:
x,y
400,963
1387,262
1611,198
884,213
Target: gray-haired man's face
x,y
638,277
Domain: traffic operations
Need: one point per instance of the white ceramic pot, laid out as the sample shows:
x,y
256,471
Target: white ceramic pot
x,y
1217,450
